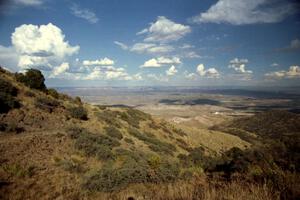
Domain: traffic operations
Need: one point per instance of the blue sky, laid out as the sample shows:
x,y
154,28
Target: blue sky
x,y
169,42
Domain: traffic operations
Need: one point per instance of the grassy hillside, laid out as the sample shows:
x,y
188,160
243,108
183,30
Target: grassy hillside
x,y
269,124
54,146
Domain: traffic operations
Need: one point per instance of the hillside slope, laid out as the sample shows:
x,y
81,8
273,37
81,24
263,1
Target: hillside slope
x,y
54,146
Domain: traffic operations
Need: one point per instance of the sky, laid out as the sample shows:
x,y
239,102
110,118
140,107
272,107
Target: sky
x,y
98,43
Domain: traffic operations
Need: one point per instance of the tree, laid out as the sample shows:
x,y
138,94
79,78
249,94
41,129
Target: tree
x,y
32,78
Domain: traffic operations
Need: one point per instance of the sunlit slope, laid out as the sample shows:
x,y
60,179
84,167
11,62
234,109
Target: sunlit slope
x,y
54,146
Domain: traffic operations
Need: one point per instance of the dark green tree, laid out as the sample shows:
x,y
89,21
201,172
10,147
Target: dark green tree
x,y
32,78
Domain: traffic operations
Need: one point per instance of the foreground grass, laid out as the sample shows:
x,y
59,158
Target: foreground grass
x,y
195,189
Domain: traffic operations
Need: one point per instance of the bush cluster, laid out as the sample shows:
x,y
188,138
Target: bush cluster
x,y
153,143
46,103
135,169
8,95
95,145
52,92
197,158
109,117
78,113
32,78
133,117
113,132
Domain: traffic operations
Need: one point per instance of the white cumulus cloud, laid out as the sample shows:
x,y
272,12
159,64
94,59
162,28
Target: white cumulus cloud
x,y
171,71
239,65
60,69
151,48
41,46
190,76
161,61
292,72
238,12
164,30
102,62
209,73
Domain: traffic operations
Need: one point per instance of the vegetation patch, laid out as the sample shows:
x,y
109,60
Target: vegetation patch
x,y
109,117
8,95
196,158
135,169
46,103
32,78
52,92
18,170
133,117
153,143
113,132
71,165
78,113
95,145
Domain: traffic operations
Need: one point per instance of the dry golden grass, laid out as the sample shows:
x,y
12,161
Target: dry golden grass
x,y
196,189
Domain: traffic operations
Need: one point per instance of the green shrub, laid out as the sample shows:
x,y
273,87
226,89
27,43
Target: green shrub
x,y
32,78
78,113
95,145
109,117
154,162
137,114
109,179
132,171
137,156
8,95
196,158
52,92
46,103
131,121
133,117
7,88
153,143
113,132
168,172
104,153
7,102
75,132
